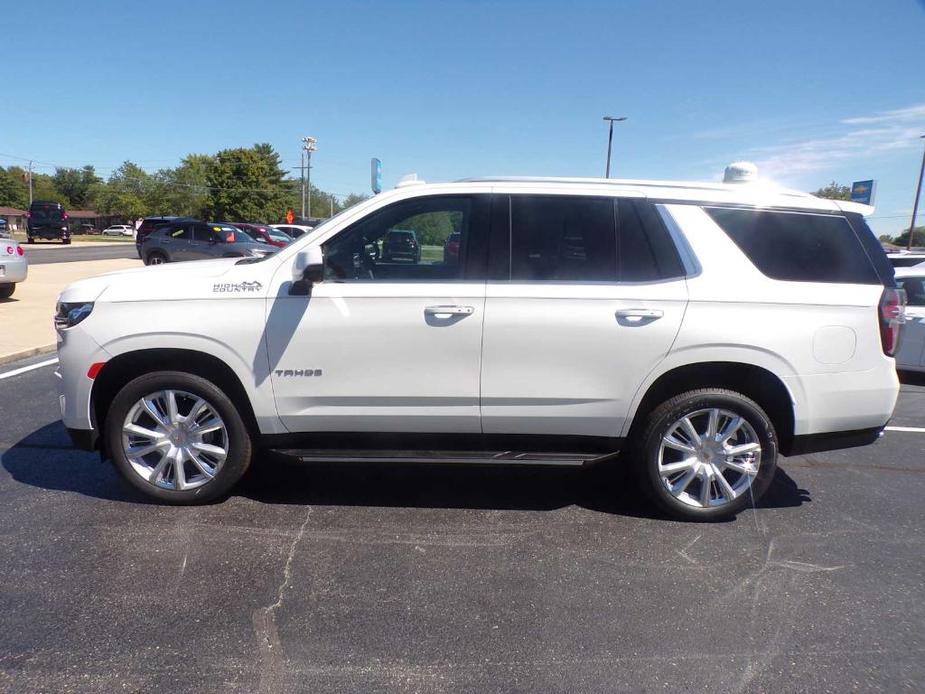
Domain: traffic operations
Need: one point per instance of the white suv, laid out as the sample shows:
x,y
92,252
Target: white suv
x,y
702,328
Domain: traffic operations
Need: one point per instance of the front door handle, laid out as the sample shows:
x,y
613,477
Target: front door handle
x,y
639,315
449,311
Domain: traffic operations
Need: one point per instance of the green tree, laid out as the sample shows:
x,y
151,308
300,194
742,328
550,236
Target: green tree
x,y
13,190
183,190
834,191
124,194
76,185
918,237
246,184
352,199
885,238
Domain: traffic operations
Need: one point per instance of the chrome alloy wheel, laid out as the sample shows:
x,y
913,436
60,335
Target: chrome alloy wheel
x,y
174,440
709,457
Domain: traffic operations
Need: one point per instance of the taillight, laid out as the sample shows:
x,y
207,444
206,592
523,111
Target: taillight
x,y
892,314
19,250
9,250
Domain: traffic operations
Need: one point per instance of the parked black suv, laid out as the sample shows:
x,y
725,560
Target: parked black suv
x,y
401,245
149,224
47,220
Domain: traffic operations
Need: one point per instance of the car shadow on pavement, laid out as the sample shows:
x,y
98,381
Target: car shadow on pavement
x,y
45,459
911,378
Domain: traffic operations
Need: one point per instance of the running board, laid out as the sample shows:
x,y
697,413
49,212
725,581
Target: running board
x,y
449,457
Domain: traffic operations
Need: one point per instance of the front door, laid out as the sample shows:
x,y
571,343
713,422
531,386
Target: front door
x,y
385,344
595,299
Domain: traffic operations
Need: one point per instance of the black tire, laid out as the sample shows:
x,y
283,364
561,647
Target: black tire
x,y
66,242
29,239
239,444
156,258
6,290
659,423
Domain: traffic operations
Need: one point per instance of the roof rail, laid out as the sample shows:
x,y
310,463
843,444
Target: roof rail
x,y
637,183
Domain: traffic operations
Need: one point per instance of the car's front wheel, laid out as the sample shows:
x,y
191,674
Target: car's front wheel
x,y
177,437
707,454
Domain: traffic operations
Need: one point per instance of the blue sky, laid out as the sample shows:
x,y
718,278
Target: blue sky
x,y
811,91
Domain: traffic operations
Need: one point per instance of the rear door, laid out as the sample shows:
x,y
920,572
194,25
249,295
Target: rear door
x,y
592,300
203,241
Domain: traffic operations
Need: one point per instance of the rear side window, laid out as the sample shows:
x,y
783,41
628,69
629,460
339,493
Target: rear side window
x,y
798,246
563,238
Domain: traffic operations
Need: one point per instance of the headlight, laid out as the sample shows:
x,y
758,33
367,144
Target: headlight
x,y
67,315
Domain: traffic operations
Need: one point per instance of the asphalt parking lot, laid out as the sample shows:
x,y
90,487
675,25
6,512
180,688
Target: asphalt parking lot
x,y
328,578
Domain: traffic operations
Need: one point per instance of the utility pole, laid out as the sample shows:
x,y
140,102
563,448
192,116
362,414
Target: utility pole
x,y
611,119
30,183
915,205
332,205
308,146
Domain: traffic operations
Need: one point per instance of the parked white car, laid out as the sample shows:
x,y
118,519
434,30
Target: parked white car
x,y
700,328
14,267
911,354
119,230
905,258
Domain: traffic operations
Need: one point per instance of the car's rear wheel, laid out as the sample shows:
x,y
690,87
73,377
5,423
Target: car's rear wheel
x,y
707,454
177,438
6,290
155,258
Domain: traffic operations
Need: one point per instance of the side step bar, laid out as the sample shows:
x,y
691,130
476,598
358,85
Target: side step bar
x,y
310,455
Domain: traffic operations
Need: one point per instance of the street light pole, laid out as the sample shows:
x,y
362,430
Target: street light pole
x,y
611,119
302,179
915,205
308,146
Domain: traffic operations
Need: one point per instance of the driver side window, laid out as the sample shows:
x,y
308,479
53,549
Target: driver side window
x,y
423,239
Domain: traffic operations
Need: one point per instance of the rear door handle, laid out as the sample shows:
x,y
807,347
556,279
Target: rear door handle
x,y
640,314
449,310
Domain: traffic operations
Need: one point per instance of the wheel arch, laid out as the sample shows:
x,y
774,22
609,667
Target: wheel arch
x,y
127,366
755,382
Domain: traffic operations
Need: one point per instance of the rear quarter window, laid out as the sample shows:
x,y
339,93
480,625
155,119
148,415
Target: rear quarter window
x,y
798,246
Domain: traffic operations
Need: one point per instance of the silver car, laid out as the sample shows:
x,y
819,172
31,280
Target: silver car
x,y
198,241
13,267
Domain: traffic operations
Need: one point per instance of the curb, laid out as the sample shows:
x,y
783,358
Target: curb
x,y
26,353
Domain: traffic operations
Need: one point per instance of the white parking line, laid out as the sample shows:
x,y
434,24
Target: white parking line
x,y
913,430
31,367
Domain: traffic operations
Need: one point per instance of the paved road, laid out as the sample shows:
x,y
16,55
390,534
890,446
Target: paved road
x,y
40,253
398,578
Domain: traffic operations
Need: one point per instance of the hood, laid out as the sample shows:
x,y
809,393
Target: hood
x,y
198,279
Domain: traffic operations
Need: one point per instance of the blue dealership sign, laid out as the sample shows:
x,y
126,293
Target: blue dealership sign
x,y
863,192
375,175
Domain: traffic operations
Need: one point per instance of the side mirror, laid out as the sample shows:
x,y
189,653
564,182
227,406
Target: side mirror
x,y
308,267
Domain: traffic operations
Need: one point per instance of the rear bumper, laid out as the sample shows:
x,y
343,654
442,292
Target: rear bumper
x,y
13,272
832,441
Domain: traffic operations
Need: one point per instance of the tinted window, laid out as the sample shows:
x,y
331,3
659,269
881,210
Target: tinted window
x,y
647,252
404,241
563,238
180,232
907,261
799,247
915,289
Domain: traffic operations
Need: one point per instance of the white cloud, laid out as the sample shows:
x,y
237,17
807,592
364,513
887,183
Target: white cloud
x,y
900,115
882,133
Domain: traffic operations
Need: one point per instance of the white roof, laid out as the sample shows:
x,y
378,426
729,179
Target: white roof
x,y
759,193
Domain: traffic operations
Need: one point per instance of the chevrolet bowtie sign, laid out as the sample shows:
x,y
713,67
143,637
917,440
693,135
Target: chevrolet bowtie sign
x,y
863,192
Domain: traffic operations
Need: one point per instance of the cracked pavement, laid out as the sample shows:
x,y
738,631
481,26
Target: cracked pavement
x,y
331,578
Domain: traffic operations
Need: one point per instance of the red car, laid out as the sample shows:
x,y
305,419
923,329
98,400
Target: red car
x,y
451,249
264,233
